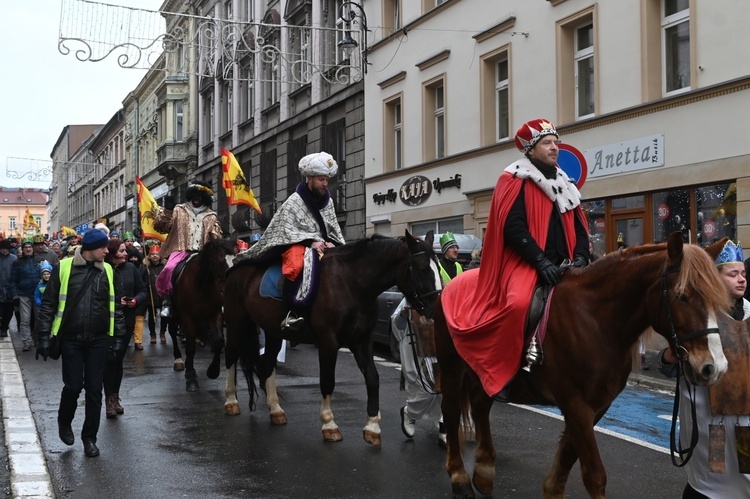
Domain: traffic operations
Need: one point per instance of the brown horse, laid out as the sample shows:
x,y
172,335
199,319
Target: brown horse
x,y
197,300
343,315
596,316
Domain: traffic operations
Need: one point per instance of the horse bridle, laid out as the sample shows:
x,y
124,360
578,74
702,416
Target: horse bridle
x,y
416,299
681,354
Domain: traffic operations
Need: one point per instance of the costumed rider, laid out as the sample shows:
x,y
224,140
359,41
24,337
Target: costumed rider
x,y
188,226
448,262
535,224
299,233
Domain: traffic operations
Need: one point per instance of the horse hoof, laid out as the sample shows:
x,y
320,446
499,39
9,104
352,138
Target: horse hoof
x,y
278,418
179,365
232,409
462,490
372,437
212,372
482,484
192,386
332,435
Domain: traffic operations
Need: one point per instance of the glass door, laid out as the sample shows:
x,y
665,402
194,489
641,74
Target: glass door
x,y
628,231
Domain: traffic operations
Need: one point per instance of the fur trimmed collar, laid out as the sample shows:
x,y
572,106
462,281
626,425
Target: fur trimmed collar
x,y
80,261
561,190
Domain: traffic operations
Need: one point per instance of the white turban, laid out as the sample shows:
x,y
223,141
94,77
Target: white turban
x,y
319,163
100,226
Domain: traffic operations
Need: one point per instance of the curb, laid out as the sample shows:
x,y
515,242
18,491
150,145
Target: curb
x,y
664,385
29,476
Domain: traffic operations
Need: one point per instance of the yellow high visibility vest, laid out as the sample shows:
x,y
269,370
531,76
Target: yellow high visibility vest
x,y
444,275
65,268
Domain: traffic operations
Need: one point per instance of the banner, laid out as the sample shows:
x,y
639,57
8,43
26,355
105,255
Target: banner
x,y
236,186
147,209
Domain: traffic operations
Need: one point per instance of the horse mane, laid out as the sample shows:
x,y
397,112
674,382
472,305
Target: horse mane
x,y
697,271
376,244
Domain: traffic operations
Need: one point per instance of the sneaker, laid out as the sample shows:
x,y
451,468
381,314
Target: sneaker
x,y
292,322
442,435
408,425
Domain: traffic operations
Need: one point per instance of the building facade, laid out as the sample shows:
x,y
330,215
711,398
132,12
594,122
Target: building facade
x,y
14,202
69,141
109,181
649,94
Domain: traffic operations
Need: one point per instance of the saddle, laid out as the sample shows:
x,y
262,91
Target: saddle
x,y
179,268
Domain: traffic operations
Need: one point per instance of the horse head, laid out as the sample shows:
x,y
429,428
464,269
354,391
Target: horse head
x,y
214,257
420,280
692,297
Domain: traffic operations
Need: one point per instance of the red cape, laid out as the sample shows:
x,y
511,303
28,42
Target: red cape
x,y
486,308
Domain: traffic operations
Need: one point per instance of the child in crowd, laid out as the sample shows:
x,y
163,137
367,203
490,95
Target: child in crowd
x,y
46,269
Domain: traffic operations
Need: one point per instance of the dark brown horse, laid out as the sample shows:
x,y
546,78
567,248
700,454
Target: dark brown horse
x,y
197,300
596,316
343,315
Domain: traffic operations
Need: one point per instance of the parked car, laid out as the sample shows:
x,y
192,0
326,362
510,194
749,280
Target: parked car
x,y
382,334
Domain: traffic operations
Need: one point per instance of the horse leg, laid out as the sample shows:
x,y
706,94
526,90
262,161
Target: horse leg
x,y
365,362
278,417
484,455
179,365
217,345
578,441
231,405
330,429
191,378
327,363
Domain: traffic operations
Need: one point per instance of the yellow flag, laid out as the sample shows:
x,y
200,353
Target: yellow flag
x,y
29,222
148,209
236,186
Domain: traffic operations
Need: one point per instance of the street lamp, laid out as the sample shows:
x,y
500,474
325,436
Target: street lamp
x,y
347,43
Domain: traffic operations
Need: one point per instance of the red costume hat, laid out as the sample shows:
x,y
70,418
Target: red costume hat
x,y
154,249
531,132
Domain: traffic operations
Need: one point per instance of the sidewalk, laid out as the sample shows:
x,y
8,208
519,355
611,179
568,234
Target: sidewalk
x,y
29,477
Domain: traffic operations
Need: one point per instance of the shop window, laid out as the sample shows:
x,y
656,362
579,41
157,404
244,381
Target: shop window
x,y
716,212
596,218
671,212
455,225
629,203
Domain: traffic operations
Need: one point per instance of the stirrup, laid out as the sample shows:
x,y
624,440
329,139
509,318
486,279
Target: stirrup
x,y
292,322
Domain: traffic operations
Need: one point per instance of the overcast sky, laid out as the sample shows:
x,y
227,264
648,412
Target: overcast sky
x,y
42,91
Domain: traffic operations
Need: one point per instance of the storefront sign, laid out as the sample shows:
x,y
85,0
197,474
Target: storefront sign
x,y
599,225
625,157
439,185
415,191
381,198
709,228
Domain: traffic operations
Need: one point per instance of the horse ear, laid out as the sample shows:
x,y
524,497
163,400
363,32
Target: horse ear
x,y
715,248
674,249
430,237
410,241
233,238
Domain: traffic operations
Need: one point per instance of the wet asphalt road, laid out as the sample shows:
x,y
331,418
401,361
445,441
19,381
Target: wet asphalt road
x,y
170,443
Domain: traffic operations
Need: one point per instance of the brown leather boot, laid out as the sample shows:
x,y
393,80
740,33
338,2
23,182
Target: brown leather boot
x,y
118,407
109,403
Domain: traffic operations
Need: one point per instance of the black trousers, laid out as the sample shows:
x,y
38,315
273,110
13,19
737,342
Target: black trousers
x,y
6,314
152,322
691,493
83,366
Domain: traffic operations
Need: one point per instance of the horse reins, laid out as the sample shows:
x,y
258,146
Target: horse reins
x,y
681,354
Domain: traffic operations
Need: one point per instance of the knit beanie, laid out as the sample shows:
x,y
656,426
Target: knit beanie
x,y
94,239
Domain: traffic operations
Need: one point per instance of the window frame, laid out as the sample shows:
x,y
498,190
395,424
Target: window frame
x,y
669,22
566,30
393,140
179,120
433,117
580,55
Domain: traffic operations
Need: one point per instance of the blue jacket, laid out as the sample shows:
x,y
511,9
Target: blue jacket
x,y
24,276
39,293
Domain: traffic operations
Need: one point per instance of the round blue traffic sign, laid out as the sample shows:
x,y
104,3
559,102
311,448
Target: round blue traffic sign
x,y
572,162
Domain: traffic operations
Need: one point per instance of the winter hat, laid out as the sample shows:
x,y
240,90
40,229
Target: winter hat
x,y
94,239
447,240
5,244
531,132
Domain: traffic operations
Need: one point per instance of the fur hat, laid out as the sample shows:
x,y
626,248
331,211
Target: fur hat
x,y
94,239
5,244
531,132
319,163
100,226
200,189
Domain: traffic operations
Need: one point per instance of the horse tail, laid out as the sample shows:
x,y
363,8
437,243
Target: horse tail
x,y
249,360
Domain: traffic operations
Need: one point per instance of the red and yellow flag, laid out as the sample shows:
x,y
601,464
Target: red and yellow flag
x,y
29,222
148,209
236,186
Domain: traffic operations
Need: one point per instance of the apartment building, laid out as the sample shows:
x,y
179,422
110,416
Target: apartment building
x,y
650,93
109,183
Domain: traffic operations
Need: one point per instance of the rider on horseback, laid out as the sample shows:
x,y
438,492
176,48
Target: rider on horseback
x,y
188,227
305,226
